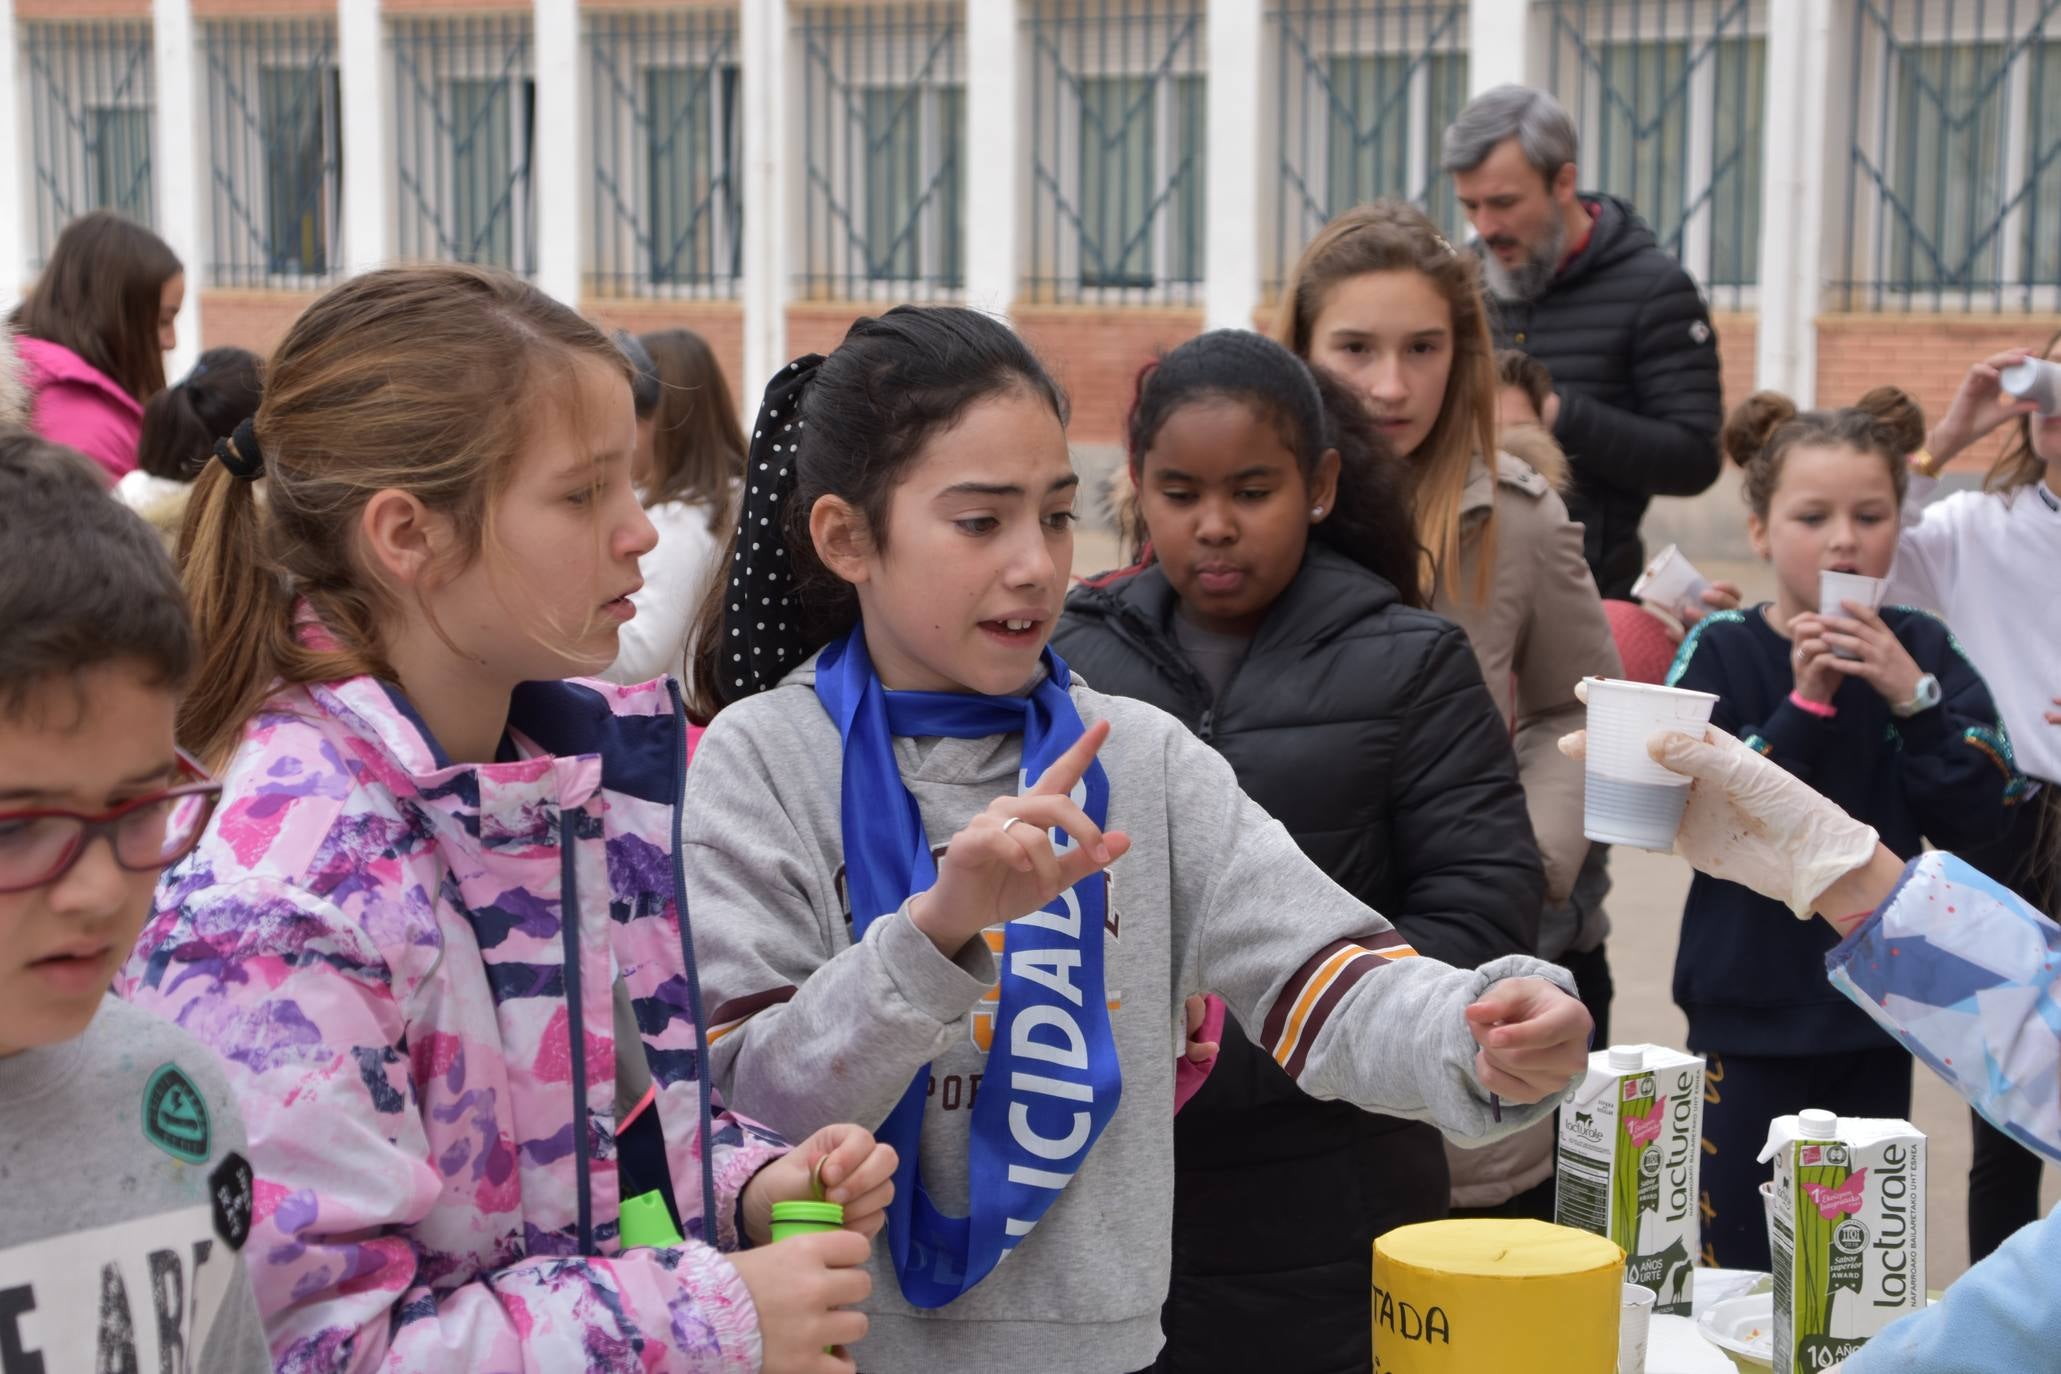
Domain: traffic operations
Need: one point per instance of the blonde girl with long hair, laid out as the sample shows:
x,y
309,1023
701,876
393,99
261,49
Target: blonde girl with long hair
x,y
436,929
1381,300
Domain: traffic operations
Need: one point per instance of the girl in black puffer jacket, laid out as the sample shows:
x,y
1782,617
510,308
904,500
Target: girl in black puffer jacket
x,y
1275,611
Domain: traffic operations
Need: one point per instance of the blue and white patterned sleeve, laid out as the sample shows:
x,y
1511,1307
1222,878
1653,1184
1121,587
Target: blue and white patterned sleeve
x,y
1966,976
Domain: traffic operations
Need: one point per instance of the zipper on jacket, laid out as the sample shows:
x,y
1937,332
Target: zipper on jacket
x,y
576,1025
1131,628
703,1072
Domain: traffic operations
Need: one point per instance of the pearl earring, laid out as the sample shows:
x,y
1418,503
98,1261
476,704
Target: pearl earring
x,y
1316,512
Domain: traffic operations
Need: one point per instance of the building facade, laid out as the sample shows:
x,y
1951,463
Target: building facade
x,y
1867,190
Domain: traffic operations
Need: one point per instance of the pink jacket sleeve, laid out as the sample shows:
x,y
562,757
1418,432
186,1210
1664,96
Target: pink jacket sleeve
x,y
360,1259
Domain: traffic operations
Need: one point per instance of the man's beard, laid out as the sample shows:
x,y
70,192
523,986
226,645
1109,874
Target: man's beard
x,y
1530,278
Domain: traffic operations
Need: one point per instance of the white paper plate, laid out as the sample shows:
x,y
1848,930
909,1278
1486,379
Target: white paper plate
x,y
1742,1326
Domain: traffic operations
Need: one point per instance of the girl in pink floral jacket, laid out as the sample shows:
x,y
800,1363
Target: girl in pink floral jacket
x,y
436,929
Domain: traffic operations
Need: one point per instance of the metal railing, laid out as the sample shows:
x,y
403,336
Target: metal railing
x,y
883,143
1365,89
275,151
1953,186
667,216
1669,98
90,94
1119,151
464,117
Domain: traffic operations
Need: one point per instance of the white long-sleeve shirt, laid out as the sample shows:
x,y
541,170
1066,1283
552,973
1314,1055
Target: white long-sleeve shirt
x,y
1987,562
676,577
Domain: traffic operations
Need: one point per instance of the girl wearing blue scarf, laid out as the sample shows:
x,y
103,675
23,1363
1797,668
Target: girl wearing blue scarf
x,y
941,886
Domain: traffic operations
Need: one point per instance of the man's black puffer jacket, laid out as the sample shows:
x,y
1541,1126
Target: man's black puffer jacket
x,y
1363,726
1628,340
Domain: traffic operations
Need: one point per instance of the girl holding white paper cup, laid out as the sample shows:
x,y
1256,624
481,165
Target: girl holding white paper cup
x,y
1904,735
1985,560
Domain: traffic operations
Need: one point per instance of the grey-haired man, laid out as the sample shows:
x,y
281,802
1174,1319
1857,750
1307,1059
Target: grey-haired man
x,y
1578,282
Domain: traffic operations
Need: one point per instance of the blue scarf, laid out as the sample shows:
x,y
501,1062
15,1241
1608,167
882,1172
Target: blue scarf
x,y
1052,1081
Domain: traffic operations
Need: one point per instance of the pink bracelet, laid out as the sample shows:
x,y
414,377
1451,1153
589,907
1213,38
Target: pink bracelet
x,y
1823,710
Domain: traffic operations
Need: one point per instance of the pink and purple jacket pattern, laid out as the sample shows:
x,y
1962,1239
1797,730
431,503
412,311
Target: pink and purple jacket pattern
x,y
407,967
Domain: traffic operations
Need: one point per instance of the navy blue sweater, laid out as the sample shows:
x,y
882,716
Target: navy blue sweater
x,y
1750,976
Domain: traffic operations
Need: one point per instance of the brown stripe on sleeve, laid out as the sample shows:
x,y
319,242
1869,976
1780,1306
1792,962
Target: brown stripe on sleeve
x,y
1291,991
738,1008
1342,984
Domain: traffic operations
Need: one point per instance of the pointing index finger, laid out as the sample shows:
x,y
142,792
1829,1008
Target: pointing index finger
x,y
1070,767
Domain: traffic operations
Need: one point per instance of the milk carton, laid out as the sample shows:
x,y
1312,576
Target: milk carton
x,y
1847,1233
1630,1147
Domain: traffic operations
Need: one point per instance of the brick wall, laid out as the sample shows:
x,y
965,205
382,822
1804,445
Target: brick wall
x,y
1095,354
1927,355
721,323
256,320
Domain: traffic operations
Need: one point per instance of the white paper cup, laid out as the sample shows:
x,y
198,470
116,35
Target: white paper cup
x,y
2035,380
1671,582
1628,798
1837,588
1634,1319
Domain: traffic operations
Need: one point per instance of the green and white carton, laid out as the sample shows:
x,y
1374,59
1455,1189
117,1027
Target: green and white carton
x,y
1630,1150
1847,1232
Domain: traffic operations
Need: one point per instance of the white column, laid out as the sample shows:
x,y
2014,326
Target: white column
x,y
1232,264
763,44
1498,33
179,162
994,171
555,181
368,222
1793,192
18,158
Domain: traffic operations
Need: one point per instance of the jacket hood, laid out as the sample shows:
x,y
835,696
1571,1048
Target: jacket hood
x,y
1619,234
44,363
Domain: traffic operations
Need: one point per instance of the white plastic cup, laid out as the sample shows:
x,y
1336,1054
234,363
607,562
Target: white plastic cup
x,y
1671,582
1628,798
1837,588
1634,1320
2035,380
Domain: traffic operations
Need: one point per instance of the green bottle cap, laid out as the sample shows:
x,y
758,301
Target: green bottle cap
x,y
812,1215
646,1222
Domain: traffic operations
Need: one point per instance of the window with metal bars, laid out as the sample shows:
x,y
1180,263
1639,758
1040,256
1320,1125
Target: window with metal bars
x,y
275,152
90,95
1668,98
1952,192
1364,91
464,117
1119,142
883,137
666,216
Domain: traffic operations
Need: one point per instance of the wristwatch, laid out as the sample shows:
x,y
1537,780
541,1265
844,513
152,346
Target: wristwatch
x,y
1926,697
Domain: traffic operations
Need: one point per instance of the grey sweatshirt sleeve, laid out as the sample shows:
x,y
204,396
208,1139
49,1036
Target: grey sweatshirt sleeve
x,y
806,1028
1322,983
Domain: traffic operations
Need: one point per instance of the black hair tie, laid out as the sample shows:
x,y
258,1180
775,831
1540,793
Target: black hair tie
x,y
240,453
762,634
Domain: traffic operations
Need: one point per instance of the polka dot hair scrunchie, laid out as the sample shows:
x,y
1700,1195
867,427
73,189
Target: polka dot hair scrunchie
x,y
762,635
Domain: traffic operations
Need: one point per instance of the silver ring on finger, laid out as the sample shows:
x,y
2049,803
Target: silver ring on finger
x,y
1013,820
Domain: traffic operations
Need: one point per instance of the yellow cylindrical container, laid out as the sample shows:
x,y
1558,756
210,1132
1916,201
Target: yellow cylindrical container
x,y
1493,1297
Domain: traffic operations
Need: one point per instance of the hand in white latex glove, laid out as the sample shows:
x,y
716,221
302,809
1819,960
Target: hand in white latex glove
x,y
1750,822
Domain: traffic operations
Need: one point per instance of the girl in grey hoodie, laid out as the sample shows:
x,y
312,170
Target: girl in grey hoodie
x,y
941,886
